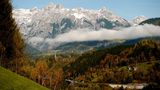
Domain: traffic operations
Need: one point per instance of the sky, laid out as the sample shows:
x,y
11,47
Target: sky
x,y
127,9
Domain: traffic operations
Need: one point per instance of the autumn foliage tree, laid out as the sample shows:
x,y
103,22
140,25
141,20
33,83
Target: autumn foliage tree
x,y
11,43
40,72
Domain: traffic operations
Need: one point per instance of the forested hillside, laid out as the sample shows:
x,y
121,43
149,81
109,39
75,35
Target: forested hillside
x,y
120,64
154,21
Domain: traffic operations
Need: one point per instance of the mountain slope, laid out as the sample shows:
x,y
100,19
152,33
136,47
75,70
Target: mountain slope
x,y
81,47
154,21
12,81
138,20
84,46
143,51
131,64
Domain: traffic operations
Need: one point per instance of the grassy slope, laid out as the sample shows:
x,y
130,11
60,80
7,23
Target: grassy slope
x,y
12,81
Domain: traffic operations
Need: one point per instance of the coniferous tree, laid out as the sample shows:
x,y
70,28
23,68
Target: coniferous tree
x,y
11,43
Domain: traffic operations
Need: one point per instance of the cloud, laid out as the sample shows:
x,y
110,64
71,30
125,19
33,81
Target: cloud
x,y
103,34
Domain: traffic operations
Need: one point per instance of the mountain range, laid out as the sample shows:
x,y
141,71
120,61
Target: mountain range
x,y
40,27
55,19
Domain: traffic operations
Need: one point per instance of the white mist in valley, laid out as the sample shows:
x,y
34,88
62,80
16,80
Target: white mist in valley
x,y
80,35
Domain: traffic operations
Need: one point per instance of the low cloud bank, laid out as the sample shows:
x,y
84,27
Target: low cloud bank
x,y
103,34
